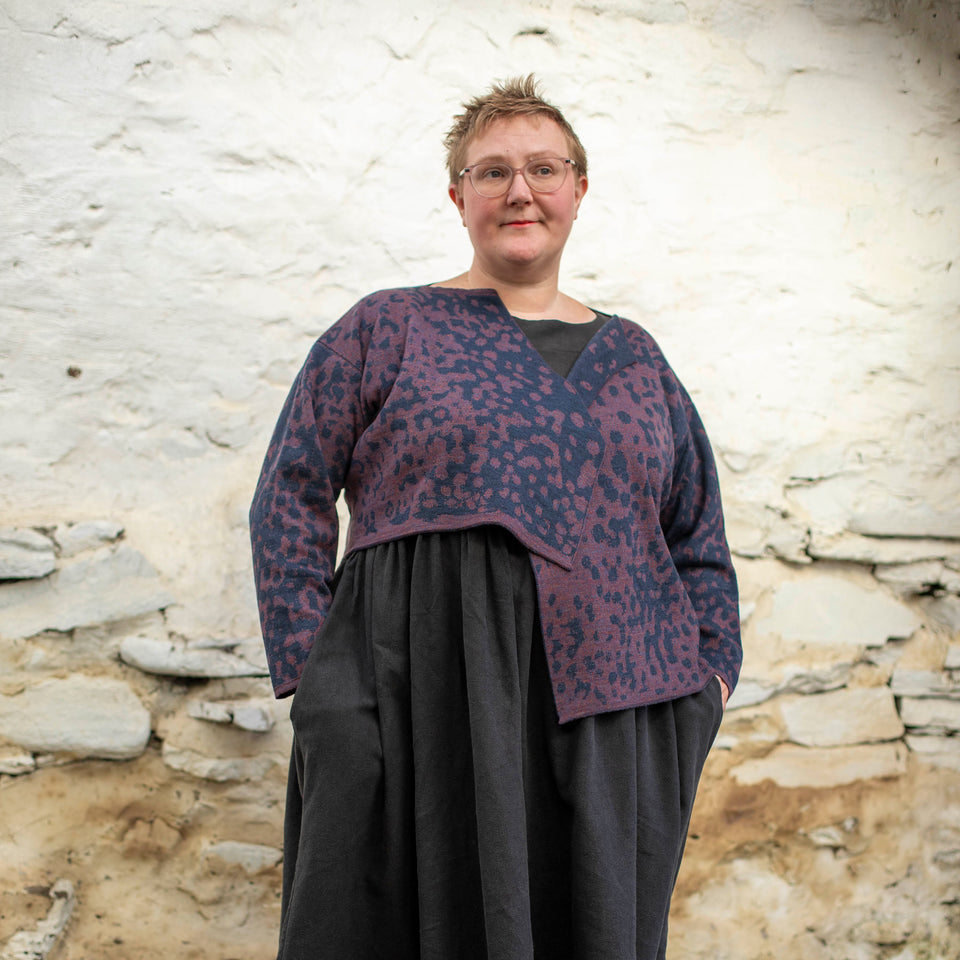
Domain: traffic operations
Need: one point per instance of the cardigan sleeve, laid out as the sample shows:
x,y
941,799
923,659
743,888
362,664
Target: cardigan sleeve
x,y
692,522
293,517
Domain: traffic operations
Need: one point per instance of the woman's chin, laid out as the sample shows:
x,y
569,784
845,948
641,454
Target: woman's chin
x,y
522,254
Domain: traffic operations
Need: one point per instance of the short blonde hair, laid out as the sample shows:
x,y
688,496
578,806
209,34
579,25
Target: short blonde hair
x,y
516,97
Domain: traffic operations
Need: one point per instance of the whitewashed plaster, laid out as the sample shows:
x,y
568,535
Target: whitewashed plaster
x,y
191,193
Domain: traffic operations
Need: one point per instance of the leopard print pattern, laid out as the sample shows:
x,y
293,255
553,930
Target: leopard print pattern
x,y
430,410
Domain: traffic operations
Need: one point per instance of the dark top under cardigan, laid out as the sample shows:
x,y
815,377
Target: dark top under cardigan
x,y
432,411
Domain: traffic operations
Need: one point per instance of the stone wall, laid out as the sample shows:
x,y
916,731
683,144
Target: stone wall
x,y
190,194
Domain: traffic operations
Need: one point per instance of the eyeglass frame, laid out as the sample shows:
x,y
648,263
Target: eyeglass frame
x,y
513,175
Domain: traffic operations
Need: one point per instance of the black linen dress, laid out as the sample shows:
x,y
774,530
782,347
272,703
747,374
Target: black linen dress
x,y
436,809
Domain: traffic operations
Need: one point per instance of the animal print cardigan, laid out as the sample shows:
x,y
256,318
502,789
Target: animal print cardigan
x,y
430,409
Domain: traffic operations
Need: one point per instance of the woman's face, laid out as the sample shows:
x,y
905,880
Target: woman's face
x,y
520,233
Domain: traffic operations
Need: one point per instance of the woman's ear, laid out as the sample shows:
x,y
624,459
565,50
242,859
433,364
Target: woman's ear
x,y
578,191
457,197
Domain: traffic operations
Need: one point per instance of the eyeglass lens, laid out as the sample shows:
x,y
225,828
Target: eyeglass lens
x,y
542,176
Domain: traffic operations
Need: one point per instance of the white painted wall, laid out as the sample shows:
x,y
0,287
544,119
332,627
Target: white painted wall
x,y
190,193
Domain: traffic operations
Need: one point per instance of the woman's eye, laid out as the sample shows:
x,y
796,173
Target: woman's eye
x,y
492,173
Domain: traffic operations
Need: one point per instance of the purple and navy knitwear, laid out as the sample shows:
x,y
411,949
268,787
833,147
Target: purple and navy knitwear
x,y
430,409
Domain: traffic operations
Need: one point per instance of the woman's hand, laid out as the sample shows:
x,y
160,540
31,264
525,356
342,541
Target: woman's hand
x,y
724,692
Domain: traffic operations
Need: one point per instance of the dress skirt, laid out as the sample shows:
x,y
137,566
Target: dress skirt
x,y
437,810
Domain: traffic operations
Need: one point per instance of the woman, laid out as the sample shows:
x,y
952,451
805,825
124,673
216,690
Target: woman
x,y
506,692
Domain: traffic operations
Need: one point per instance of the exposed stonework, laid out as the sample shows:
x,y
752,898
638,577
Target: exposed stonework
x,y
842,718
945,610
253,857
74,538
834,612
37,944
219,769
197,191
931,715
884,550
919,520
248,748
106,585
255,715
795,766
79,716
925,683
913,578
14,761
939,751
25,554
171,659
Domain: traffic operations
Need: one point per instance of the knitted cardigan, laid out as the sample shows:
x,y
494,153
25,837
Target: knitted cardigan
x,y
431,411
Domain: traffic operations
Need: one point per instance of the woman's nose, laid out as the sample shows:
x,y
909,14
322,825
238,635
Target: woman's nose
x,y
519,191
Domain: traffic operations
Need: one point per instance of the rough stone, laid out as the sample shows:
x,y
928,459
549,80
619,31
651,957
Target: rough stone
x,y
831,837
253,715
789,543
74,538
749,726
15,762
952,660
252,857
939,751
911,578
925,650
219,751
924,683
921,521
248,648
220,769
831,611
25,553
842,718
81,716
38,943
172,659
755,531
931,713
818,680
873,550
945,611
107,585
790,765
214,712
749,692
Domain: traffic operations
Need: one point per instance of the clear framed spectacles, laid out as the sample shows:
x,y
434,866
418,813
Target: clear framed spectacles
x,y
543,175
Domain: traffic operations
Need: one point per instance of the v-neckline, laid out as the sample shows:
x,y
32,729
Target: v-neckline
x,y
607,351
583,383
559,342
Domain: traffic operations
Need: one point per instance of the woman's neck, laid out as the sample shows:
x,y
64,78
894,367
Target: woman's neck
x,y
535,300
